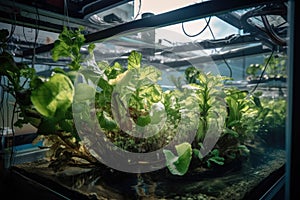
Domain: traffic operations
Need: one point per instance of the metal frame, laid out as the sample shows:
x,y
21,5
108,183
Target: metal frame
x,y
292,128
196,11
33,15
231,54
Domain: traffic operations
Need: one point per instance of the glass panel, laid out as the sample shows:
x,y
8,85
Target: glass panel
x,y
193,110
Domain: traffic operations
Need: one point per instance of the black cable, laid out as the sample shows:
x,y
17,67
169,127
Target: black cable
x,y
226,63
36,35
24,34
283,23
197,34
2,106
23,58
228,66
139,10
66,13
270,32
6,126
13,134
2,92
263,71
266,30
12,29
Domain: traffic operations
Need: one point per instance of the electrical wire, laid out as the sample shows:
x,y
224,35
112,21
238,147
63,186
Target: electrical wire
x,y
283,23
263,71
2,105
66,14
24,34
271,33
37,19
266,29
199,33
139,10
226,63
11,124
13,133
13,26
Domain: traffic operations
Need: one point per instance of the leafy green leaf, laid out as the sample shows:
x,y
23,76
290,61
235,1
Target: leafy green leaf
x,y
106,122
152,93
112,71
84,92
143,120
178,165
215,158
231,132
66,125
4,33
149,75
53,96
47,126
119,78
197,153
68,45
59,70
91,48
134,60
257,101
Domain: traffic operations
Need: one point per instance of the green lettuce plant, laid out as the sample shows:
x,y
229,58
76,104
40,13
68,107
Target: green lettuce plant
x,y
241,108
273,67
45,102
128,99
270,120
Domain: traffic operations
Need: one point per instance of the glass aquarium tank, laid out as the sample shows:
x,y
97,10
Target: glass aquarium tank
x,y
185,101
